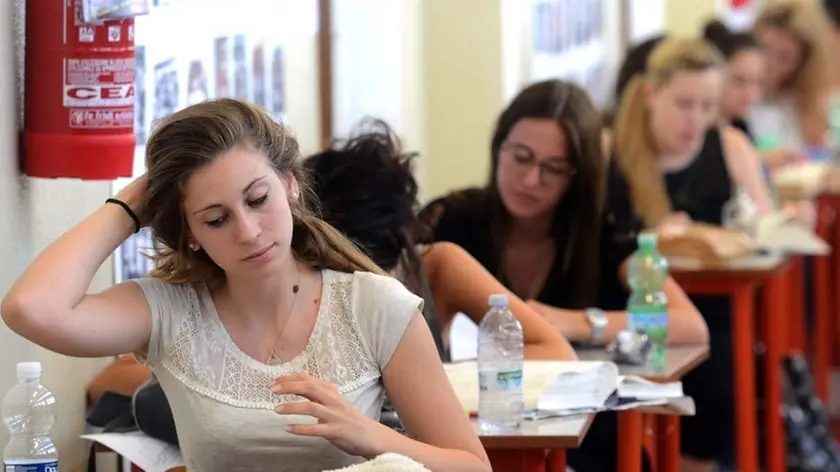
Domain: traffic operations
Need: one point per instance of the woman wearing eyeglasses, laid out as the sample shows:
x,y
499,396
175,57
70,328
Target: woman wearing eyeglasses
x,y
539,226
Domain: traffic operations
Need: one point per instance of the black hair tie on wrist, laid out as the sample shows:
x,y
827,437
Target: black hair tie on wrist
x,y
127,210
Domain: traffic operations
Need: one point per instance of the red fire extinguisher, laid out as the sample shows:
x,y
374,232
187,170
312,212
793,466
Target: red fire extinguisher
x,y
79,94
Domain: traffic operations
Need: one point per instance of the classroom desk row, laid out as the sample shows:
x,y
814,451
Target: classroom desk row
x,y
777,276
540,446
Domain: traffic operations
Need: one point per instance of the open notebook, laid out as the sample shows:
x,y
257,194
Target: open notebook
x,y
559,387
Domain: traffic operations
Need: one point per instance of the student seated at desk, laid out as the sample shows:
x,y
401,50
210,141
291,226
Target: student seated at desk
x,y
274,338
540,227
672,158
367,191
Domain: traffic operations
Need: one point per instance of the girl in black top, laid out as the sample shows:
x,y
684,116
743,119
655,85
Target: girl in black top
x,y
539,225
671,157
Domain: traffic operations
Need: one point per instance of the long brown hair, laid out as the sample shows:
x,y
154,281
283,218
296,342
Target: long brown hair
x,y
813,81
634,143
193,138
577,219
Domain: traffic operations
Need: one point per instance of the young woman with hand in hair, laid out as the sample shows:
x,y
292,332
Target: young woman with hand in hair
x,y
274,338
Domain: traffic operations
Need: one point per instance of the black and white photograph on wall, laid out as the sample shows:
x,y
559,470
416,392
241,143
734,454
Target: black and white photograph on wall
x,y
258,74
167,90
547,35
221,57
240,68
131,259
278,82
140,127
197,89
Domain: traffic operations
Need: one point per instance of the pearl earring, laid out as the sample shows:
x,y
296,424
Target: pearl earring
x,y
294,195
193,246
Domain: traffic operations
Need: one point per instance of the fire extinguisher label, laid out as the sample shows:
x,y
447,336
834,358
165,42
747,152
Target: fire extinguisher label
x,y
99,92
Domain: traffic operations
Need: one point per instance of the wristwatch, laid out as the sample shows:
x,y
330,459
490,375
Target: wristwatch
x,y
598,322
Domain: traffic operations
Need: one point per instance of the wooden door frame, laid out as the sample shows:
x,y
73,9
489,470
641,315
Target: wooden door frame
x,y
325,70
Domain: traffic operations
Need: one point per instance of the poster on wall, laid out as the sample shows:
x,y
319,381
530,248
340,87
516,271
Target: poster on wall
x,y
140,126
258,74
240,68
278,82
568,42
167,89
131,259
197,88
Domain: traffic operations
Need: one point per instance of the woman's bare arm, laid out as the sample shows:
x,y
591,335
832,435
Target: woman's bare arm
x,y
49,304
441,436
685,323
460,284
744,166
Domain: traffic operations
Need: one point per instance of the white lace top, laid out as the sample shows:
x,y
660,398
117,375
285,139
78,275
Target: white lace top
x,y
223,410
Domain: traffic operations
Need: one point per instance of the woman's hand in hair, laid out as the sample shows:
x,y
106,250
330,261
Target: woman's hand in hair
x,y
337,420
134,193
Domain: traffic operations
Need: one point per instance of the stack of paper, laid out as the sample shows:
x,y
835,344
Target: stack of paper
x,y
558,388
547,385
779,232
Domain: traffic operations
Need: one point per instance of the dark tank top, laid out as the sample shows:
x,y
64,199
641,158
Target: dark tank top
x,y
700,190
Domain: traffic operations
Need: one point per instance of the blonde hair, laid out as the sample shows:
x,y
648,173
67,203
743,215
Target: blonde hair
x,y
637,152
194,137
813,81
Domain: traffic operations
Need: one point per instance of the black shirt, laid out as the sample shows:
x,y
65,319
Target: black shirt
x,y
459,218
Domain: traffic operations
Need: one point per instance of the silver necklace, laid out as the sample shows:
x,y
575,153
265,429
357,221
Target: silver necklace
x,y
273,358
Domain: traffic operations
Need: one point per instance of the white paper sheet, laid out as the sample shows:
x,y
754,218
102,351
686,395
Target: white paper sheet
x,y
149,454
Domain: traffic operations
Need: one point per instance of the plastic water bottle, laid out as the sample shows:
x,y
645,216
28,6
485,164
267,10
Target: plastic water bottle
x,y
29,413
741,213
501,346
647,308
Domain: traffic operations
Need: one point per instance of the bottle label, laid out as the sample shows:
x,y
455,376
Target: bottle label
x,y
30,465
650,320
496,381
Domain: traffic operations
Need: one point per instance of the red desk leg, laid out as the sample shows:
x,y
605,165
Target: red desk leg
x,y
556,461
823,329
668,443
796,334
630,438
743,338
776,300
516,460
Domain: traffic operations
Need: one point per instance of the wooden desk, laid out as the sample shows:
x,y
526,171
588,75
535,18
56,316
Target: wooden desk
x,y
537,446
679,360
739,279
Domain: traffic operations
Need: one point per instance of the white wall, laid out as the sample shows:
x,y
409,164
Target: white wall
x,y
33,213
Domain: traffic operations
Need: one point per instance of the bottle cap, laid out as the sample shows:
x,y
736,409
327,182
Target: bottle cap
x,y
647,240
28,370
498,300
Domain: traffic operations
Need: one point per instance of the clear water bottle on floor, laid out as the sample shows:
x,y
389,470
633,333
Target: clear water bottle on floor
x,y
501,346
29,414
